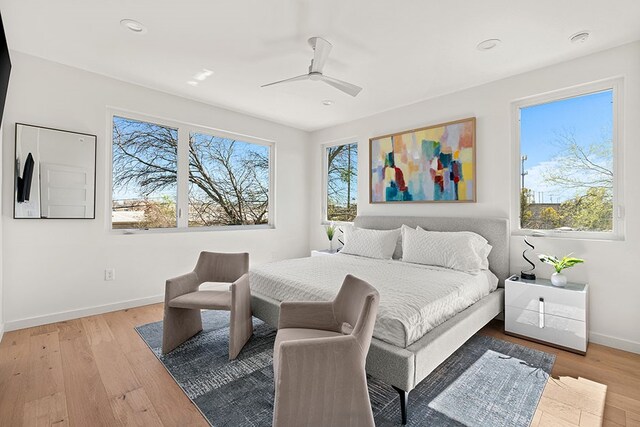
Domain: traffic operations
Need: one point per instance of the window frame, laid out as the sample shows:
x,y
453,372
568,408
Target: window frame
x,y
182,185
616,85
325,178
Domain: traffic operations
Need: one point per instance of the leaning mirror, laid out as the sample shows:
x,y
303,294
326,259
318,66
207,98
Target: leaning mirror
x,y
55,173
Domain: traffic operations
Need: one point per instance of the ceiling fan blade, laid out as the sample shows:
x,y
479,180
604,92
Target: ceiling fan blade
x,y
348,88
321,49
292,79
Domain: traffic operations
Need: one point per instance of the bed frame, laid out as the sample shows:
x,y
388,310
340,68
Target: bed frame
x,y
405,368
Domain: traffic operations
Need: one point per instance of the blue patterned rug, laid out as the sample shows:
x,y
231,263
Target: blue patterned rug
x,y
487,382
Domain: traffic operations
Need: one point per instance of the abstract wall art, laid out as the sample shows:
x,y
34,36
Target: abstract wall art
x,y
431,164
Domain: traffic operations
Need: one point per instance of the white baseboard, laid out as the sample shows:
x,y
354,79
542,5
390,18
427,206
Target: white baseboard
x,y
74,314
615,342
1,331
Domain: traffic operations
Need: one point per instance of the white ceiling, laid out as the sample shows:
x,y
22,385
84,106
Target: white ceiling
x,y
400,52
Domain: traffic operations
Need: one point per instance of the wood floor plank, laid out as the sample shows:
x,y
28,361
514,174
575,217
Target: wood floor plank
x,y
633,419
14,368
97,330
172,405
122,327
87,400
44,376
47,411
117,375
550,420
559,392
560,410
70,329
617,382
614,414
536,418
623,402
584,386
589,420
43,329
134,408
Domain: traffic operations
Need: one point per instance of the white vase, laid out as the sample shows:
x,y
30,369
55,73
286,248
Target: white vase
x,y
558,279
331,245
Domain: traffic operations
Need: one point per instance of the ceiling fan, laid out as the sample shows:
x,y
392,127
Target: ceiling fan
x,y
321,49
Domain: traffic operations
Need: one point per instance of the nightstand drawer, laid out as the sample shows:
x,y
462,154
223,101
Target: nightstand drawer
x,y
561,302
557,330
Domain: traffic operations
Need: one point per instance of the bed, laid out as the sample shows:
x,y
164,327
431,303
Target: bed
x,y
417,327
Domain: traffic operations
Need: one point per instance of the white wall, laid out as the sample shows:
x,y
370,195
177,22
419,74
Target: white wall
x,y
611,265
54,269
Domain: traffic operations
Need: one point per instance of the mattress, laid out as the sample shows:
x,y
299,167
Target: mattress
x,y
413,298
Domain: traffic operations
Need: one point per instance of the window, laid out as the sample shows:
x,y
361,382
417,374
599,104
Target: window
x,y
228,181
145,173
341,182
567,163
161,170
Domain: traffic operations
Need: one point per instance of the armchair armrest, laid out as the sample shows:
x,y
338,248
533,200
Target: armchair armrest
x,y
241,295
181,285
241,283
332,350
308,315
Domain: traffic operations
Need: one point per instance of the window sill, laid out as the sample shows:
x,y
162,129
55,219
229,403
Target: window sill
x,y
130,231
571,235
336,223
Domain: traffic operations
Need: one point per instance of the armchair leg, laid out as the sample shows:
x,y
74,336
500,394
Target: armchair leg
x,y
240,324
404,401
179,325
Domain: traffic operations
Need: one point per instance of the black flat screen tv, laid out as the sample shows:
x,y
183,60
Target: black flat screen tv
x,y
5,67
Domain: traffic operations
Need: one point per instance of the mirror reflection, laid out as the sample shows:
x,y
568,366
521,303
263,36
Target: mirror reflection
x,y
55,173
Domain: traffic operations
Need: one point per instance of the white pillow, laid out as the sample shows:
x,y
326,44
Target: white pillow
x,y
460,251
480,244
370,243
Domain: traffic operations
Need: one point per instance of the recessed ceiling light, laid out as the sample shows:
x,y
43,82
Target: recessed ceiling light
x,y
579,37
202,75
192,83
488,44
327,102
135,26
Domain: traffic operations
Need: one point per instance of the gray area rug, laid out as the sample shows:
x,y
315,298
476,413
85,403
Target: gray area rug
x,y
487,382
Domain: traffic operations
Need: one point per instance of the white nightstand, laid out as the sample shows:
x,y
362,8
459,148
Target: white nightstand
x,y
539,311
323,252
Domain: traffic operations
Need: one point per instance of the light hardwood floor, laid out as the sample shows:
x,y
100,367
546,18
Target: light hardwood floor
x,y
97,371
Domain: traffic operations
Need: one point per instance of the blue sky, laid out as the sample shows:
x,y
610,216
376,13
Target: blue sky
x,y
588,117
341,186
241,149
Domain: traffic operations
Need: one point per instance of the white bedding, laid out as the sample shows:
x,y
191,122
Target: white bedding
x,y
413,298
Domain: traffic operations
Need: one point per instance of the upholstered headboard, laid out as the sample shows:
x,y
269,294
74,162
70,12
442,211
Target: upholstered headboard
x,y
495,230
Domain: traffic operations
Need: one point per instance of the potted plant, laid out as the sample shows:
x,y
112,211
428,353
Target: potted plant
x,y
557,278
331,232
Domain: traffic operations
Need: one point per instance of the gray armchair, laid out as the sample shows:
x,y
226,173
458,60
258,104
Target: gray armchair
x,y
319,359
183,300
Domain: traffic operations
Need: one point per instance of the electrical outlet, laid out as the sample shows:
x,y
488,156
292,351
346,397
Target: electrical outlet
x,y
109,274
